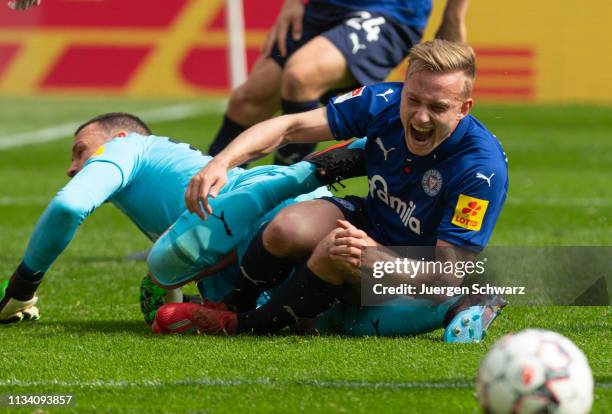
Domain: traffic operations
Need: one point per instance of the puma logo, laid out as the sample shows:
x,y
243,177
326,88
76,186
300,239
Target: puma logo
x,y
225,225
375,324
249,278
356,45
385,93
382,148
484,177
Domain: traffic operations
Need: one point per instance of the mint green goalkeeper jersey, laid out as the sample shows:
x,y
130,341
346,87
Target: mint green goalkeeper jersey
x,y
144,176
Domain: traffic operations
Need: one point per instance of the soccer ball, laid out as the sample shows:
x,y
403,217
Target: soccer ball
x,y
535,371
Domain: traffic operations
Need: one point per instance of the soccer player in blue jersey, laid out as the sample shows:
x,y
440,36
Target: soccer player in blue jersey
x,y
116,159
321,47
437,177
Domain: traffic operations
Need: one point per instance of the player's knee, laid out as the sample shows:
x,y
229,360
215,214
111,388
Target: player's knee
x,y
298,82
285,236
247,97
164,266
241,97
238,108
155,265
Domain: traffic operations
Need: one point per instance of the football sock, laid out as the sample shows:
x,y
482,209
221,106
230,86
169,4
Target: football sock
x,y
228,131
304,295
293,153
259,271
23,284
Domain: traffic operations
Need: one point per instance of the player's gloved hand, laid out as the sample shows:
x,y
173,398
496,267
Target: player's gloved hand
x,y
16,311
207,182
291,15
22,4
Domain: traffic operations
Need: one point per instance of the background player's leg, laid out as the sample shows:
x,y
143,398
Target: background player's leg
x,y
315,68
254,101
312,70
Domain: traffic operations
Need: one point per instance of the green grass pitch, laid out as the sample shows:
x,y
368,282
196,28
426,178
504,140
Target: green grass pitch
x,y
91,342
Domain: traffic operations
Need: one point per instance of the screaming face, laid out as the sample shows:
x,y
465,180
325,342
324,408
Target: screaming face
x,y
432,105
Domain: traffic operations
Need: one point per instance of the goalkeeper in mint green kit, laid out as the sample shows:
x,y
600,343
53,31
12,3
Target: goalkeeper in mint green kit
x,y
116,159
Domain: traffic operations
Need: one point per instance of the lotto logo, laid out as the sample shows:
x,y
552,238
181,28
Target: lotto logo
x,y
469,212
472,209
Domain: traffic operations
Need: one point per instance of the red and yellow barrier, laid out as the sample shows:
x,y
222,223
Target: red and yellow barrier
x,y
536,51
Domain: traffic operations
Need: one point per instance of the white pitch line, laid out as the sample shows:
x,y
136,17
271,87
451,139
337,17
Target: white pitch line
x,y
247,382
23,201
170,113
234,383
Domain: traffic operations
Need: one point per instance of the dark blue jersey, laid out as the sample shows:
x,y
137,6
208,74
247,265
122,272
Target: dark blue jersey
x,y
455,193
408,12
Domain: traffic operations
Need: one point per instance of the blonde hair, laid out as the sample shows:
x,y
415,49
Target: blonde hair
x,y
442,56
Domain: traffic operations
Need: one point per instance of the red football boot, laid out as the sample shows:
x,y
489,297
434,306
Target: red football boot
x,y
214,322
192,317
214,305
174,318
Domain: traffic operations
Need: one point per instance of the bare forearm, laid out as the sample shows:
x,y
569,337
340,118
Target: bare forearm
x,y
265,137
255,142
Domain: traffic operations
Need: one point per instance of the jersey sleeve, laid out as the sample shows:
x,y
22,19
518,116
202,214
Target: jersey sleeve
x,y
473,205
124,153
91,187
355,113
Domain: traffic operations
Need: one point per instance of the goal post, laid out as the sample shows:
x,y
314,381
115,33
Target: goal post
x,y
236,47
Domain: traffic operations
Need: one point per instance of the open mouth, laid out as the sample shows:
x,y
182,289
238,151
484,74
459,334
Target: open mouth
x,y
421,135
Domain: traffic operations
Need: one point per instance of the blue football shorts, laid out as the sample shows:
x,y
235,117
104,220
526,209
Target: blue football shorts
x,y
372,44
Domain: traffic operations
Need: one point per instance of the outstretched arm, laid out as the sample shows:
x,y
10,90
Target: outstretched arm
x,y
54,230
255,142
72,204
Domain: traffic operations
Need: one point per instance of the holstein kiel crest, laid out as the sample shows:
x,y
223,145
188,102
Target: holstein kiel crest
x,y
432,182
